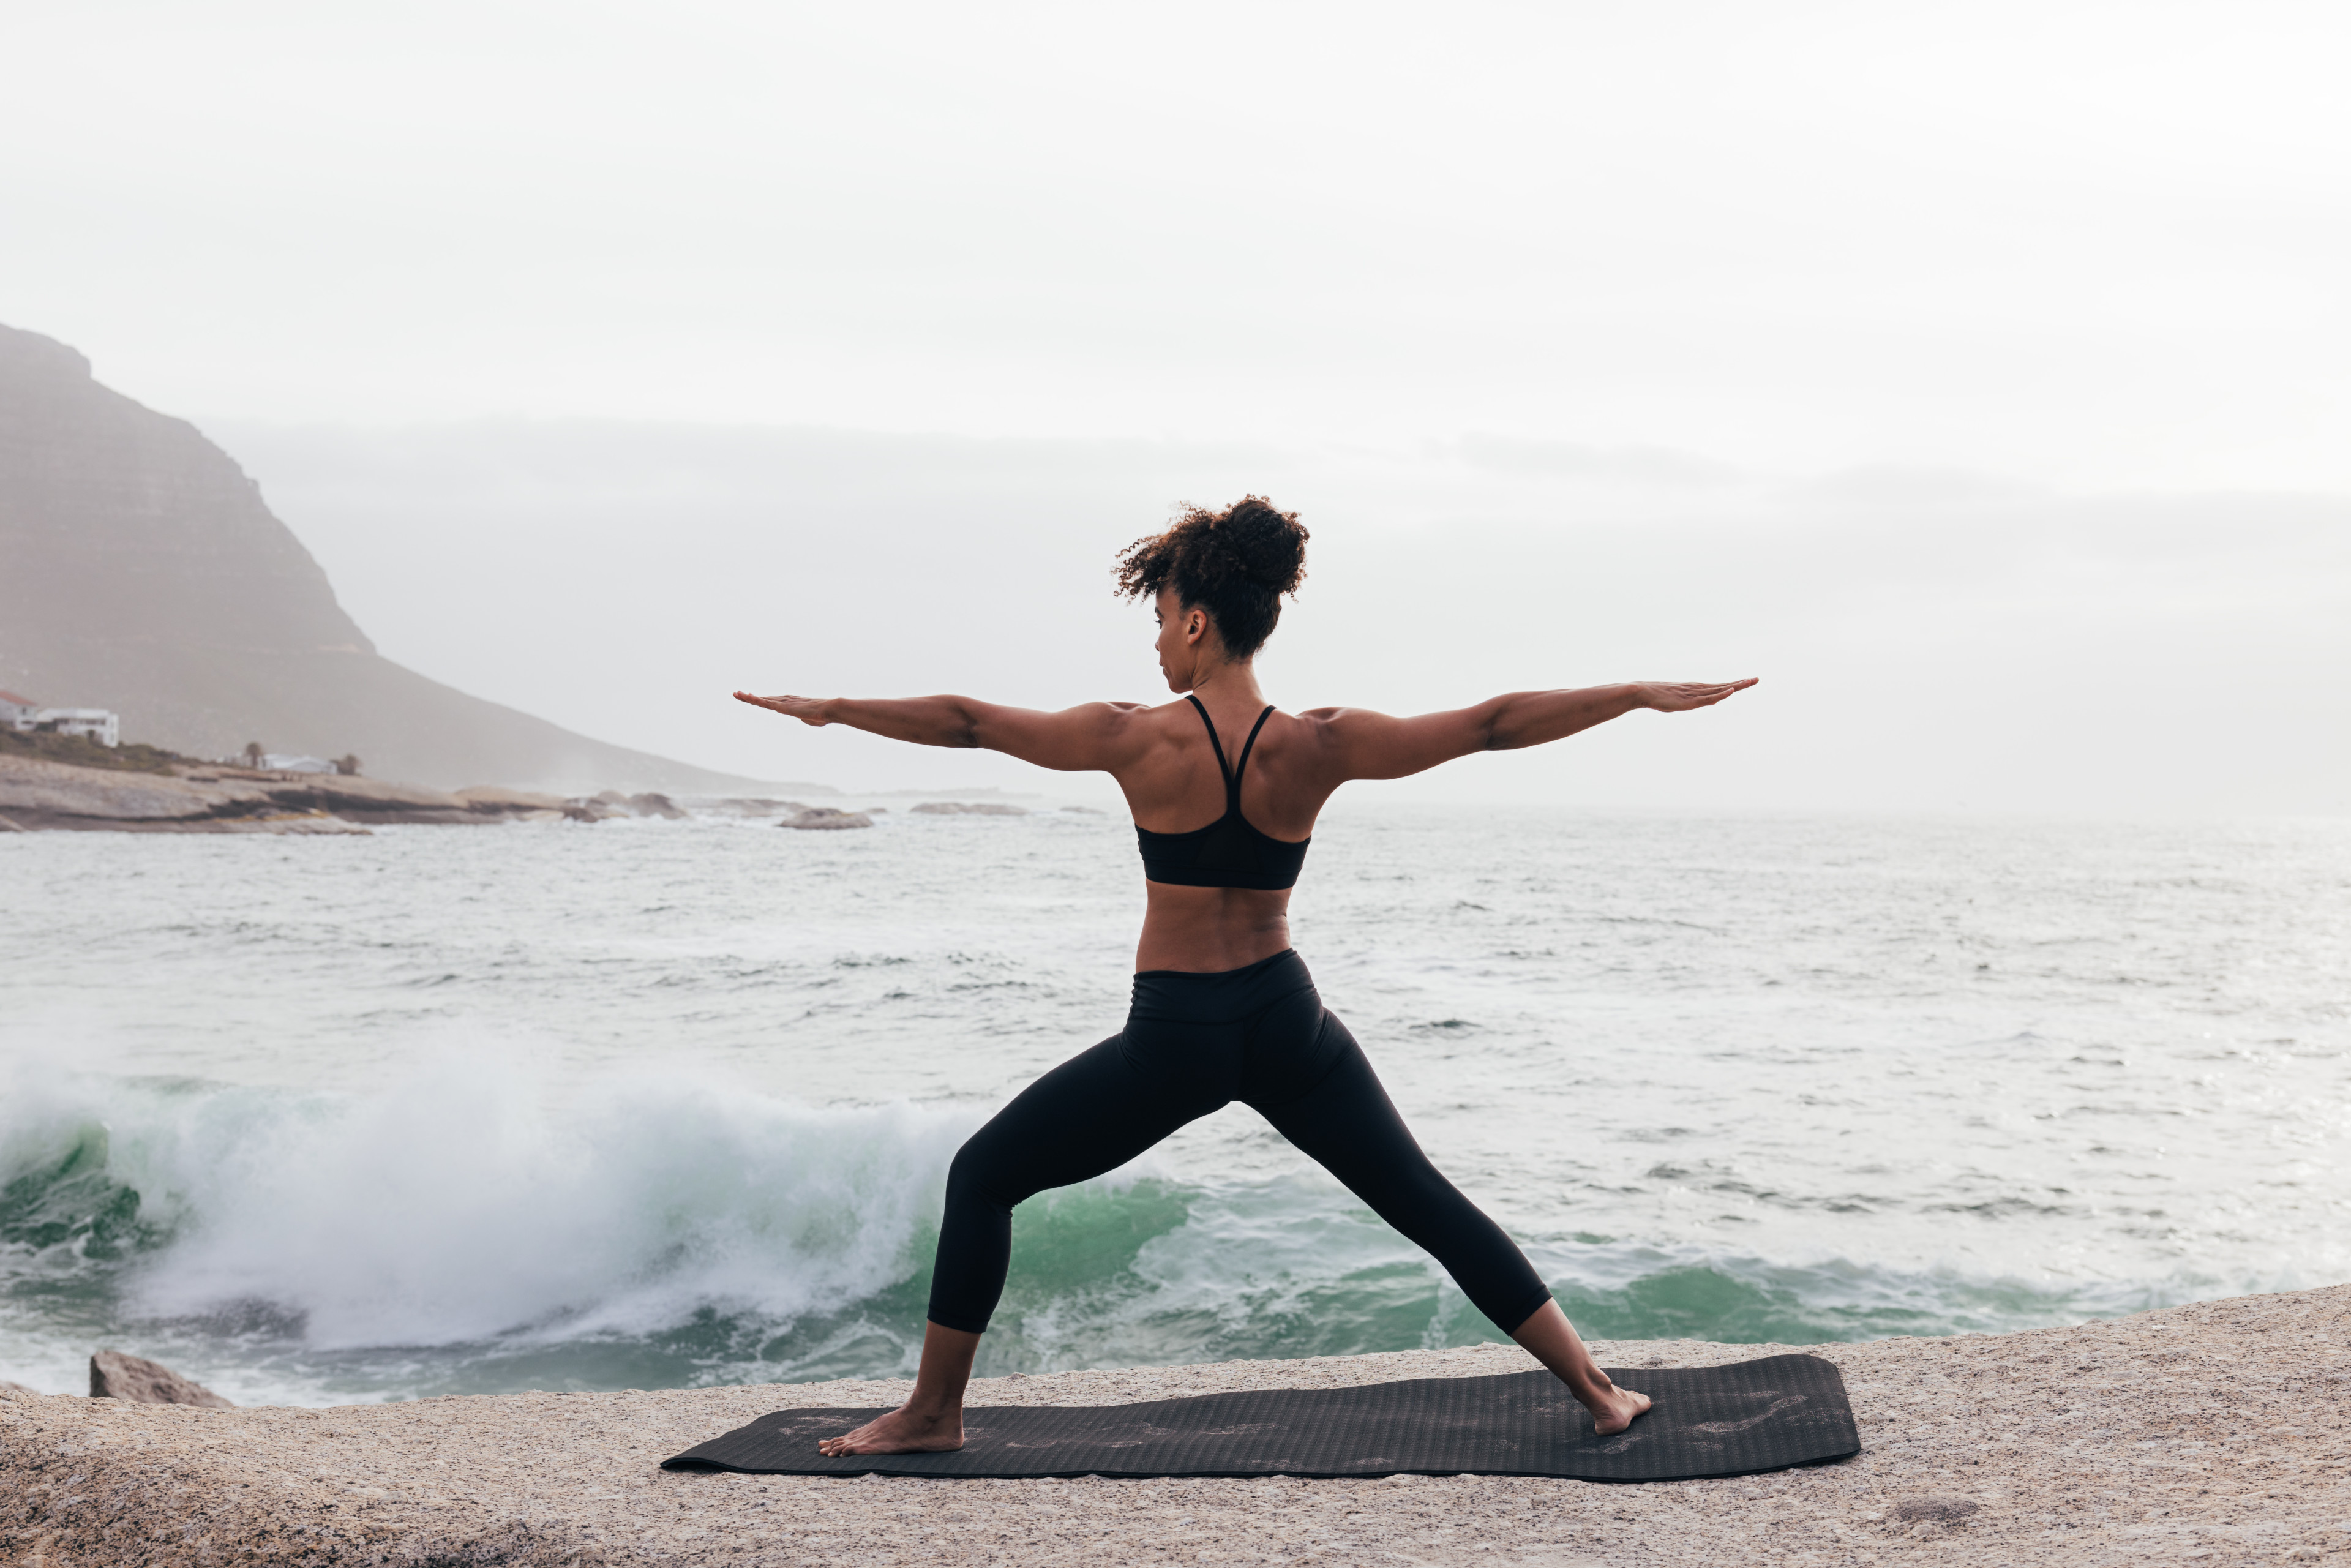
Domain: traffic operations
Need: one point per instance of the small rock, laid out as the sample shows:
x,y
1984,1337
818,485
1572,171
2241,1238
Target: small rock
x,y
1087,810
826,816
652,805
137,1381
1934,1509
10,1390
970,809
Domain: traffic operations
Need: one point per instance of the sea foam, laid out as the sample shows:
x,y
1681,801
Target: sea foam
x,y
472,1200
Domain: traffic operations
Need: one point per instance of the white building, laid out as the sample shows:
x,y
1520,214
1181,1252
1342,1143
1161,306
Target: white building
x,y
24,714
280,762
101,724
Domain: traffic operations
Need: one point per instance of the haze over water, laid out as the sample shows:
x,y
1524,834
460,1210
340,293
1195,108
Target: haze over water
x,y
651,1104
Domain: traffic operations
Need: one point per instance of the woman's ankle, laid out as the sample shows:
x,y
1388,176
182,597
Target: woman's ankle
x,y
1589,1385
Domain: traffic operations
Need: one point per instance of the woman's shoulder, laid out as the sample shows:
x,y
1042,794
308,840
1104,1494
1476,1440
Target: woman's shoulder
x,y
1325,721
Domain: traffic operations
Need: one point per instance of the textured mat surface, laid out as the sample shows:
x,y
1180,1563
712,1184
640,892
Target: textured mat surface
x,y
1768,1415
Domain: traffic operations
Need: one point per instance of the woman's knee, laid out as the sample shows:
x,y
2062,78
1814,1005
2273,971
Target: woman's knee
x,y
979,1174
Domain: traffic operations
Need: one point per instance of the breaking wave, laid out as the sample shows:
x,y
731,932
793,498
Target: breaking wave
x,y
476,1228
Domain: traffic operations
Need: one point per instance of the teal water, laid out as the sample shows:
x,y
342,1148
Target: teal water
x,y
656,1104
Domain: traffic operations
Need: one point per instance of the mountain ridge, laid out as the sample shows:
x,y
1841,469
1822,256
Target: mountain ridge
x,y
141,571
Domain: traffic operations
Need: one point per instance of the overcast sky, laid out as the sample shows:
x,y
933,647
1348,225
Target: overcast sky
x,y
1751,328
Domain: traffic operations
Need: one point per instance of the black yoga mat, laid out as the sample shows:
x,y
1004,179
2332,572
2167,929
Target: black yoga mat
x,y
1767,1415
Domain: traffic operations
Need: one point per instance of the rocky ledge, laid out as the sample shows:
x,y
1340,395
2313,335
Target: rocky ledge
x,y
36,793
2211,1433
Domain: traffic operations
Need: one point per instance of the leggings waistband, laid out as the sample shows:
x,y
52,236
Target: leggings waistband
x,y
1222,994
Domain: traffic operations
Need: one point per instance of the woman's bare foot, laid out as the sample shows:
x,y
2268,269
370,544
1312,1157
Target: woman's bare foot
x,y
902,1431
1553,1340
1613,1409
931,1420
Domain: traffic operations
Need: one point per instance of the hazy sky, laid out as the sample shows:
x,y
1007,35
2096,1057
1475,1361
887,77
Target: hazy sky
x,y
1998,354
2093,243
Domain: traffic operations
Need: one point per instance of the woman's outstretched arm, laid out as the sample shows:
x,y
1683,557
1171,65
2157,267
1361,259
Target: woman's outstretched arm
x,y
1096,736
1361,744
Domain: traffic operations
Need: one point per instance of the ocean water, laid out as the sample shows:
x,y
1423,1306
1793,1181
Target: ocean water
x,y
654,1104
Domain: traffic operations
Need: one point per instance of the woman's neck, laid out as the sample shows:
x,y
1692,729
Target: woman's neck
x,y
1227,682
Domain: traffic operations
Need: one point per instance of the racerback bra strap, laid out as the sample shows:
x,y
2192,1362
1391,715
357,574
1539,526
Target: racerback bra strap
x,y
1248,747
1232,787
1232,774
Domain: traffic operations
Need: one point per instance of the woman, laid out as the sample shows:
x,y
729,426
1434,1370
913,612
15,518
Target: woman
x,y
1225,792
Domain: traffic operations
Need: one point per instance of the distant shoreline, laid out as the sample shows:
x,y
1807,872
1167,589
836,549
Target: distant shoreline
x,y
153,791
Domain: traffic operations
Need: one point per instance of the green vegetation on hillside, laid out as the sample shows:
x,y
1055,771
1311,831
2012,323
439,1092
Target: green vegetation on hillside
x,y
81,751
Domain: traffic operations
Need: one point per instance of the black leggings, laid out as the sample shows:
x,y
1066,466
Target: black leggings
x,y
1193,1043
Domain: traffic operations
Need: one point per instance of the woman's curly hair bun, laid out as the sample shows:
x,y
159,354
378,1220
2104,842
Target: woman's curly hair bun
x,y
1236,564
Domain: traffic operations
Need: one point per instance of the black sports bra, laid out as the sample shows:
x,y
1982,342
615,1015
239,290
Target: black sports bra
x,y
1228,852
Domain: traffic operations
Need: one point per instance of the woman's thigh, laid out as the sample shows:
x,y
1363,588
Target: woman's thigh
x,y
1346,1123
1091,1114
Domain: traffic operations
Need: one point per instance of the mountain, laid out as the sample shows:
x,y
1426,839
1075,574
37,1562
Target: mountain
x,y
139,570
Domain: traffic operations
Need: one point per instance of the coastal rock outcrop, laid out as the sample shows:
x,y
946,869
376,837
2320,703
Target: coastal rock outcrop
x,y
33,788
821,817
197,797
606,804
134,1378
969,809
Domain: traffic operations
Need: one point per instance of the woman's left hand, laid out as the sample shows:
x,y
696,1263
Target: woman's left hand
x,y
807,710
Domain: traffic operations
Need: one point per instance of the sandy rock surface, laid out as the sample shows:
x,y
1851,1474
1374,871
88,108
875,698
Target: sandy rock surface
x,y
2212,1434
